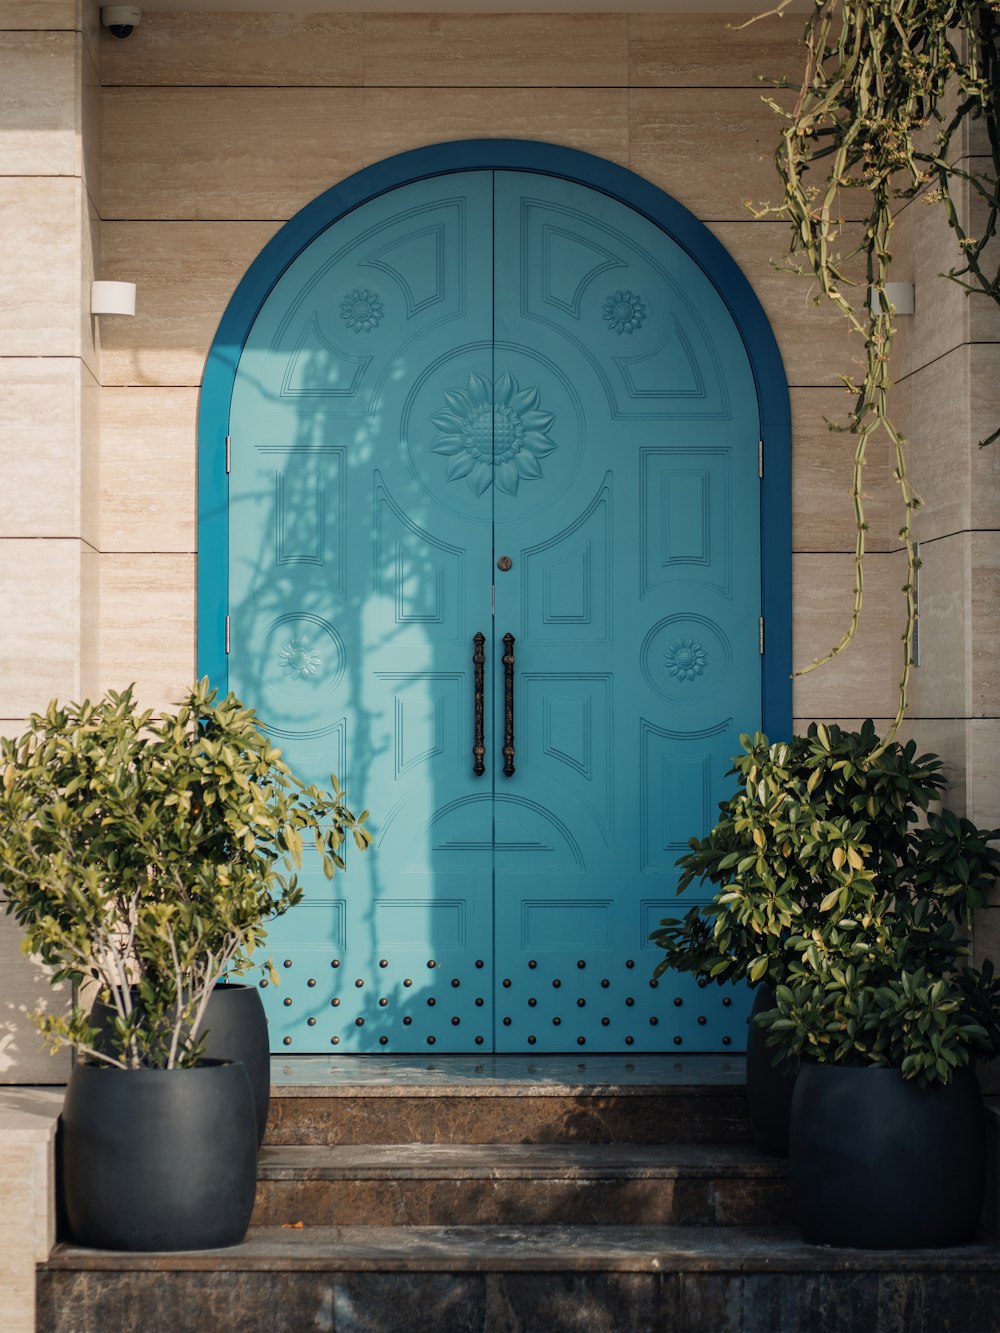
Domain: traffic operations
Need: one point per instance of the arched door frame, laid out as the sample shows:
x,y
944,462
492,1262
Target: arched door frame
x,y
546,159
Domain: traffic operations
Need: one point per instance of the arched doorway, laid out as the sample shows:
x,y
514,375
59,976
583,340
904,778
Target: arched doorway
x,y
498,389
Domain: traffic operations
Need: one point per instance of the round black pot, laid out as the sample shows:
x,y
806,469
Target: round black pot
x,y
235,1028
881,1163
769,1089
158,1159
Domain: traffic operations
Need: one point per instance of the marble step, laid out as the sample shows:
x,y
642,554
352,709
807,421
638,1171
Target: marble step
x,y
508,1113
545,1279
483,1184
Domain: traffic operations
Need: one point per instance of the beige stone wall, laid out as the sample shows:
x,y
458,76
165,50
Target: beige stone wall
x,y
49,407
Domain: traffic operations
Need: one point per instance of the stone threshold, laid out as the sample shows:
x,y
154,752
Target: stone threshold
x,y
502,1075
533,1249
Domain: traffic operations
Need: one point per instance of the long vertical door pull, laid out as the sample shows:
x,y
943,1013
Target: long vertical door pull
x,y
478,743
508,705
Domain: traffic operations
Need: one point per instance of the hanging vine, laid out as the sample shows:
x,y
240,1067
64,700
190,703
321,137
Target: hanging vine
x,y
886,88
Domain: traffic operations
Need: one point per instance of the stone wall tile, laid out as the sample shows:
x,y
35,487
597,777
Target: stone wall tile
x,y
149,469
595,120
148,625
862,681
940,685
698,50
38,104
24,1057
40,292
204,49
39,424
38,15
40,612
505,50
197,153
984,620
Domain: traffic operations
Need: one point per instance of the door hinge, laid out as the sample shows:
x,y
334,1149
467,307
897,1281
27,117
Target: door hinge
x,y
762,635
760,458
227,634
229,453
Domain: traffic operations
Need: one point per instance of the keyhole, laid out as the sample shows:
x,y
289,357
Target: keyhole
x,y
504,563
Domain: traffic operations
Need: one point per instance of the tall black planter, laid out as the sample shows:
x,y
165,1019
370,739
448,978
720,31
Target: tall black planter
x,y
769,1090
880,1163
236,1029
158,1159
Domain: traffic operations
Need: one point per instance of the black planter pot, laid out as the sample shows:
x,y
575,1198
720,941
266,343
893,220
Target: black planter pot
x,y
880,1163
235,1028
158,1159
769,1090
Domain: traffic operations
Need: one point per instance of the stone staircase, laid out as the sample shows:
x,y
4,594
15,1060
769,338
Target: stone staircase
x,y
503,1194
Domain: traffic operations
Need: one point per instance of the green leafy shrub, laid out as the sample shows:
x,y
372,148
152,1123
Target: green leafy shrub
x,y
837,883
145,853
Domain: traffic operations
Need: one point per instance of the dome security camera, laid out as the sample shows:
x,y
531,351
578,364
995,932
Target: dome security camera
x,y
121,20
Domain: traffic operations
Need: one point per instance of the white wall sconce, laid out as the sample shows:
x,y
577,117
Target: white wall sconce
x,y
900,295
112,298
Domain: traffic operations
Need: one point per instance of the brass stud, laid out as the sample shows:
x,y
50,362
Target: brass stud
x,y
654,984
557,983
581,1004
702,983
581,963
431,1041
678,1001
678,1041
506,1022
359,983
605,983
335,962
383,962
431,962
383,1002
532,1002
335,1004
287,962
629,1001
431,1001
263,984
480,963
407,1021
581,1041
383,1041
408,981
532,1040
630,1041
630,963
287,1001
311,981
455,1022
479,1041
288,1041
506,983
556,1022
702,1019
311,1022
605,1022
532,963
653,1022
727,1041
455,982
479,1002
334,1041
359,1022
727,1001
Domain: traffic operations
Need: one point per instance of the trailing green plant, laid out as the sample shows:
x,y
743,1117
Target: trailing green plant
x,y
143,853
829,839
887,85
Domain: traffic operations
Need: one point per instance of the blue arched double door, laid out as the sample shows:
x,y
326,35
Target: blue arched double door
x,y
494,402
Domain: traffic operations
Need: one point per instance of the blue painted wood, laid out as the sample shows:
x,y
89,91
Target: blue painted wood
x,y
624,426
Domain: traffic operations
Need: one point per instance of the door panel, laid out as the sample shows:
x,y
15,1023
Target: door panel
x,y
478,365
359,575
635,611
